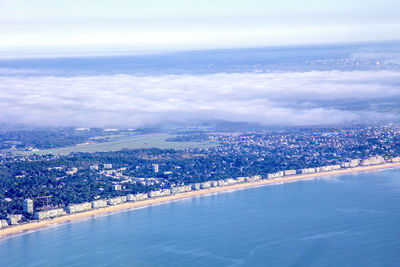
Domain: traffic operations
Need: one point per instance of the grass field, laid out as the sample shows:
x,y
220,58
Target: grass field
x,y
123,142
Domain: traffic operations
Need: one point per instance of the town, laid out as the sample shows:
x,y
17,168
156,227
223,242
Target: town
x,y
37,187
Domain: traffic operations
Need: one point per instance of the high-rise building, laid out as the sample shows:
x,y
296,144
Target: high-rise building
x,y
28,205
155,168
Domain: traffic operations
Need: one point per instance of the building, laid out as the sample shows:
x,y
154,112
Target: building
x,y
130,198
221,183
14,219
289,172
3,224
241,179
373,161
230,181
205,185
181,189
354,163
107,166
308,170
28,205
72,171
196,186
140,196
100,203
136,197
79,207
396,159
214,183
117,187
94,167
159,193
275,175
49,214
116,200
329,168
155,168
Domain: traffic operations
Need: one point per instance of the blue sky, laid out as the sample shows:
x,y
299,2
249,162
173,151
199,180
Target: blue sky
x,y
187,24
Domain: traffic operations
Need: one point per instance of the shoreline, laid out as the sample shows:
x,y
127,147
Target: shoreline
x,y
33,226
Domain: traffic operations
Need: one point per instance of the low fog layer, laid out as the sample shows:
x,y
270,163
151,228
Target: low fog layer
x,y
310,98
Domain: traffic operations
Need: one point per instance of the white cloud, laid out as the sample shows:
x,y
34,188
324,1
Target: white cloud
x,y
124,100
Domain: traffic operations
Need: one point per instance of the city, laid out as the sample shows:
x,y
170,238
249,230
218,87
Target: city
x,y
40,187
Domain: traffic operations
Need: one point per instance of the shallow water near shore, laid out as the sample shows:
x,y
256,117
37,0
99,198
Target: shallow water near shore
x,y
350,220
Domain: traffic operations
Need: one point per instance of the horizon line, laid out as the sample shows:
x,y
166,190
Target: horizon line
x,y
82,51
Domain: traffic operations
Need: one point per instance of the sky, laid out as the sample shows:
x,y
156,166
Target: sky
x,y
151,25
248,89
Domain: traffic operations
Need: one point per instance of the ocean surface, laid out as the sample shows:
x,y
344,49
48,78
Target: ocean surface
x,y
348,220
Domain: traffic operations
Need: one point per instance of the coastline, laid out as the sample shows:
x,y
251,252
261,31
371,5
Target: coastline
x,y
31,226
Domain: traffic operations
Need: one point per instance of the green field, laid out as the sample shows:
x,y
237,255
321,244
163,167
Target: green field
x,y
123,142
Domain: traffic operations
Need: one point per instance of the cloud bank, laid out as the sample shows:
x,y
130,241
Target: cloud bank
x,y
310,98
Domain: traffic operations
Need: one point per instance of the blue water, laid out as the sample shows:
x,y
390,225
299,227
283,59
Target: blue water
x,y
349,220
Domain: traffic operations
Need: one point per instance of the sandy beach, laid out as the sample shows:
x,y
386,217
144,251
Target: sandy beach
x,y
131,205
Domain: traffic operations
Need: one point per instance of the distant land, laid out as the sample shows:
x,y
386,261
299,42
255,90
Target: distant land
x,y
341,57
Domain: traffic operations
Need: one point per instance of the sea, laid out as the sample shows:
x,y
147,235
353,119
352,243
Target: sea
x,y
346,220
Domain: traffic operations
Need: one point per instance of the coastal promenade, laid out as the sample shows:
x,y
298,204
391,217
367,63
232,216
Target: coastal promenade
x,y
31,226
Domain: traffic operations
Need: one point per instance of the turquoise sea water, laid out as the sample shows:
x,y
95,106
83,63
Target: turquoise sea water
x,y
349,220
